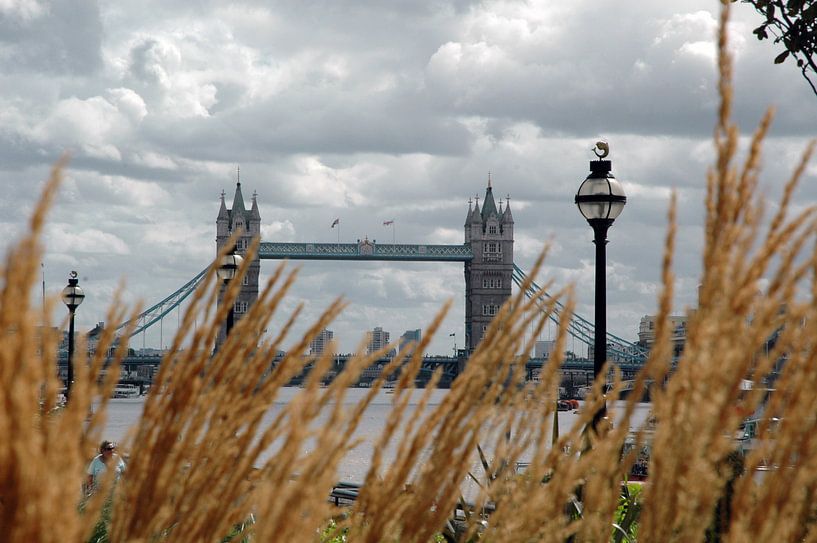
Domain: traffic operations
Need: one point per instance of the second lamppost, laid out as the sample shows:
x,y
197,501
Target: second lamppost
x,y
230,264
72,296
600,200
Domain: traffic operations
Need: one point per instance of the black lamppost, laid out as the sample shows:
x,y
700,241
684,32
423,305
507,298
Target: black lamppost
x,y
230,263
600,199
72,296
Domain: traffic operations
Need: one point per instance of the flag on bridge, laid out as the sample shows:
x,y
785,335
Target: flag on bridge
x,y
336,221
387,223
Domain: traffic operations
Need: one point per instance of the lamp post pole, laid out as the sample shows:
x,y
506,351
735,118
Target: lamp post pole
x,y
230,313
72,296
230,264
600,200
600,227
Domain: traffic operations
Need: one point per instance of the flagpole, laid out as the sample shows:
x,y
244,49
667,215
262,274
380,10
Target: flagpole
x,y
391,223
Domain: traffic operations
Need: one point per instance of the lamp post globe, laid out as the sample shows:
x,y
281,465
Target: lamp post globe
x,y
227,270
600,200
72,297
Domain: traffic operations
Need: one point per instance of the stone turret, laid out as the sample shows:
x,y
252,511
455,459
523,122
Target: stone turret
x,y
489,275
238,219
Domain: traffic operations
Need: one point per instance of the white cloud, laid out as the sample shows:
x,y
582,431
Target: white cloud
x,y
129,103
23,10
277,230
63,238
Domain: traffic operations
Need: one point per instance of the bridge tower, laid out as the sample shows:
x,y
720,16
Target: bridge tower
x,y
488,276
249,223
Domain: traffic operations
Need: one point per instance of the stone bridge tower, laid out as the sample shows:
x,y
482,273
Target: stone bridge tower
x,y
249,223
488,276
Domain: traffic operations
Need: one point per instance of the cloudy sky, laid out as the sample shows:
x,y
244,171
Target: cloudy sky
x,y
370,112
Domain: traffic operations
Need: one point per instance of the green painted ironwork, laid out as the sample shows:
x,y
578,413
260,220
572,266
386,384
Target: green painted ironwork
x,y
366,250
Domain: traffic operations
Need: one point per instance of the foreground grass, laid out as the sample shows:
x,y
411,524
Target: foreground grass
x,y
194,454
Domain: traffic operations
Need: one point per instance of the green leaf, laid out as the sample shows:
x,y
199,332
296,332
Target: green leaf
x,y
781,57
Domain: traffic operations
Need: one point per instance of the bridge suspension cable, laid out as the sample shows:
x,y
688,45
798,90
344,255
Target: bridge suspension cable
x,y
158,311
581,328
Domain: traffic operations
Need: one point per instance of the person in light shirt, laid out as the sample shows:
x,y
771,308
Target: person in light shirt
x,y
106,458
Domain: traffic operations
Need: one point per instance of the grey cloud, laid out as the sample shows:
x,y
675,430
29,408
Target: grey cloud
x,y
65,37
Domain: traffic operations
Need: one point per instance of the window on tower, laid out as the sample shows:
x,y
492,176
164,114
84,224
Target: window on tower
x,y
489,310
492,229
492,251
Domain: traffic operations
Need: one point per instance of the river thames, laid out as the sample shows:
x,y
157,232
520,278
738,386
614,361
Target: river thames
x,y
124,413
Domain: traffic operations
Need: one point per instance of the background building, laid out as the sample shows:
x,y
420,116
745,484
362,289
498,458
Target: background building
x,y
408,337
647,327
543,349
320,342
377,339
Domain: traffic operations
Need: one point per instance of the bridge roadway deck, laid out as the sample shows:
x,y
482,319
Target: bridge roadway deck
x,y
366,250
449,364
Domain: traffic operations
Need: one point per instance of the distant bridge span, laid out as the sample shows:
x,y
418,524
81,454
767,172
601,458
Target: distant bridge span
x,y
366,250
487,255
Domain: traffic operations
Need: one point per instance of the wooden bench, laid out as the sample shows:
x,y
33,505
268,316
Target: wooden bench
x,y
344,494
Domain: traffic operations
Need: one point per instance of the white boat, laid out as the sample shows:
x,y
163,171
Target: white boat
x,y
126,391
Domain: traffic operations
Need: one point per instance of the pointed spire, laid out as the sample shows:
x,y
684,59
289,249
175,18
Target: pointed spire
x,y
489,178
475,215
489,207
222,210
254,214
238,200
507,218
468,215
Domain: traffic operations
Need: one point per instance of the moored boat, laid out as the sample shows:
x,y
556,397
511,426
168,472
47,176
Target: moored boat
x,y
126,391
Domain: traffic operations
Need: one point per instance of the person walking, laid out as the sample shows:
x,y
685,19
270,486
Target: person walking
x,y
107,458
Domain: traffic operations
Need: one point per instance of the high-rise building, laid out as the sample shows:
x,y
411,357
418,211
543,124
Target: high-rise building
x,y
488,276
409,337
543,349
320,342
248,222
378,339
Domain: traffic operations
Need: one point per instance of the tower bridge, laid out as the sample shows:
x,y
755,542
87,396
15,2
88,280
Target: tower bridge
x,y
486,254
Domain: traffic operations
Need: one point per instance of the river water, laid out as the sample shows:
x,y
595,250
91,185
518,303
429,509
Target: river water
x,y
124,413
